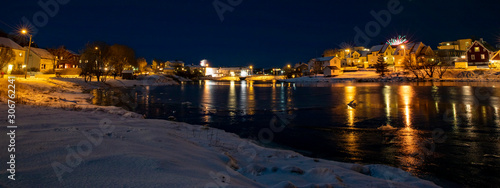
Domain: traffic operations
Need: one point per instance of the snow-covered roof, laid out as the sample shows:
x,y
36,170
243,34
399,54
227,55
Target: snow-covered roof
x,y
324,58
9,43
384,48
364,53
376,48
42,53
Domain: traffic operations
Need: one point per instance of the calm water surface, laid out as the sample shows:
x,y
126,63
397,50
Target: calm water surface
x,y
448,133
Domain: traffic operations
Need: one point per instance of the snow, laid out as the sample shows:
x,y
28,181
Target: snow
x,y
105,147
153,80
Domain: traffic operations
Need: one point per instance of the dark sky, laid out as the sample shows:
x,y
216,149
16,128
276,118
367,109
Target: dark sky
x,y
262,33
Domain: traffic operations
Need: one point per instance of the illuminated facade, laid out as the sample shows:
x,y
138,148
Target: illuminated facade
x,y
479,53
459,45
19,55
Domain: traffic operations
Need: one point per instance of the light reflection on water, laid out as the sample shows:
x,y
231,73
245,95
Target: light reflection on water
x,y
326,127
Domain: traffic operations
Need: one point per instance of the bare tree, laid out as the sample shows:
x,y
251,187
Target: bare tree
x,y
429,66
414,67
442,69
6,56
317,66
142,63
121,56
93,60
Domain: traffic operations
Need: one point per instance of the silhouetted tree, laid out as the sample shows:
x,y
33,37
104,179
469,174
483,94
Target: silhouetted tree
x,y
381,66
93,60
142,63
121,56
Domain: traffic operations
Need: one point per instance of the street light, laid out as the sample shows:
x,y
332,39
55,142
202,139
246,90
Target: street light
x,y
348,52
25,32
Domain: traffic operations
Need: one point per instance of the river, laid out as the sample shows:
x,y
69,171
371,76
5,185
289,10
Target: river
x,y
448,133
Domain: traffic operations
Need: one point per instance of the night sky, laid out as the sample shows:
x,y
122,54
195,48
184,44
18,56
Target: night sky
x,y
257,32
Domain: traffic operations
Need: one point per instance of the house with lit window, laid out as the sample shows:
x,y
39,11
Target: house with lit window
x,y
65,59
480,53
458,45
358,58
385,50
395,55
322,62
19,58
495,61
41,59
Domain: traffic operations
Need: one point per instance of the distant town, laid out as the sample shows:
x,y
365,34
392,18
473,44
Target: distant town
x,y
397,56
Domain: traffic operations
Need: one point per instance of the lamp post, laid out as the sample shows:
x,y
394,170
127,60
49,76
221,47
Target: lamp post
x,y
348,52
251,69
25,32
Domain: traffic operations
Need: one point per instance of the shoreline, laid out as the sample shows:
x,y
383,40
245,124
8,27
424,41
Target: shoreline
x,y
229,163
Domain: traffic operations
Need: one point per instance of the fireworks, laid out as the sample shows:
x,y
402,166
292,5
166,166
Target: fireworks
x,y
397,41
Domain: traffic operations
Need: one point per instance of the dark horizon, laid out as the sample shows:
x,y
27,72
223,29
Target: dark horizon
x,y
263,34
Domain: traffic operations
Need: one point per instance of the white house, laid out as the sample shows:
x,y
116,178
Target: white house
x,y
41,59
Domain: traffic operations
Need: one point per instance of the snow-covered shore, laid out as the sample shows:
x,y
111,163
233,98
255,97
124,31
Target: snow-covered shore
x,y
90,146
372,76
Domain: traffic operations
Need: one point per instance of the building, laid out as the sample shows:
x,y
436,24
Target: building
x,y
301,69
453,51
479,53
317,65
332,71
495,61
396,55
42,60
358,59
19,52
459,45
227,72
65,58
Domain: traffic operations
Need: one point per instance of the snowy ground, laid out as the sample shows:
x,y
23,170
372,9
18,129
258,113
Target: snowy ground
x,y
90,146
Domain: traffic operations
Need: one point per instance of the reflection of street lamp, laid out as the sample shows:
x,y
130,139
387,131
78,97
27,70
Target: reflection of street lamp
x,y
25,32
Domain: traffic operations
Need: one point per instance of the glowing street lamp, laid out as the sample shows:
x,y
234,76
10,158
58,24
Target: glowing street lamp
x,y
26,32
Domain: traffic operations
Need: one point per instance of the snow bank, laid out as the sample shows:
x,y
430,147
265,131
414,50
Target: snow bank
x,y
153,80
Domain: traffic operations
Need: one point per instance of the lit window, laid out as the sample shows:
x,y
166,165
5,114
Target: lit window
x,y
477,49
473,57
482,56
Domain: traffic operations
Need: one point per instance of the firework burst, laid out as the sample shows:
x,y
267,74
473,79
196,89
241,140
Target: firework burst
x,y
397,41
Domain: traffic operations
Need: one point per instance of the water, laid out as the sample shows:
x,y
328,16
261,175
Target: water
x,y
448,133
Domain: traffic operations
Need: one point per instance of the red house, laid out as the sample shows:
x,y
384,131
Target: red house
x,y
480,53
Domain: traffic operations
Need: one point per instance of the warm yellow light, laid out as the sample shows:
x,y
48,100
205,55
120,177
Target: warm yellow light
x,y
347,50
403,46
251,67
96,48
24,31
289,66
